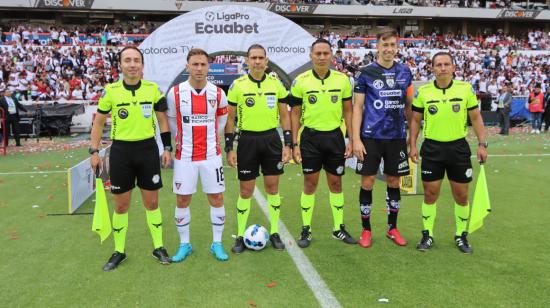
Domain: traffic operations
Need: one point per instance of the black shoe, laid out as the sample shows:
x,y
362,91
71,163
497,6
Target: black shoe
x,y
462,243
276,241
343,235
162,255
426,242
305,237
114,261
239,245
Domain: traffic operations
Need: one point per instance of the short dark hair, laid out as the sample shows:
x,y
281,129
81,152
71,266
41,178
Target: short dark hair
x,y
443,53
320,41
133,48
386,33
197,52
255,46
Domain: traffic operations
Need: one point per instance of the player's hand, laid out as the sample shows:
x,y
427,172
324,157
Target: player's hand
x,y
166,159
297,155
286,155
95,162
413,154
359,150
481,154
232,159
349,149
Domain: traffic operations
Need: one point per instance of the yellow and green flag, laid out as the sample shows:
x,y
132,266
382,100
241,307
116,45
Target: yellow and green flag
x,y
481,205
101,222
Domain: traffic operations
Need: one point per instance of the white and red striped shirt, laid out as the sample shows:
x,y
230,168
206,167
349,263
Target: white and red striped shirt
x,y
194,118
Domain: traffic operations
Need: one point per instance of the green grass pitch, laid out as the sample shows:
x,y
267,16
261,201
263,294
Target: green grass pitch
x,y
56,261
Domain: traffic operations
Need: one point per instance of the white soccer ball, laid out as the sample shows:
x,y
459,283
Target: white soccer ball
x,y
255,237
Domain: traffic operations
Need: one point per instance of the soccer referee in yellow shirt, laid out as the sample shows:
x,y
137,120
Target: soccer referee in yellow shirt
x,y
321,100
134,153
445,105
260,101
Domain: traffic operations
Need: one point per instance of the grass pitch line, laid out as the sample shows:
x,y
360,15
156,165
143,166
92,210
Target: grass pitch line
x,y
517,155
33,172
311,276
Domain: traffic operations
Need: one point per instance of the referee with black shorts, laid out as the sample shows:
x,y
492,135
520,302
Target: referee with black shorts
x,y
134,153
321,101
260,102
445,105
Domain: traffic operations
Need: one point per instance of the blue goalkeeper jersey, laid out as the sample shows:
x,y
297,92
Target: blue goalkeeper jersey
x,y
385,92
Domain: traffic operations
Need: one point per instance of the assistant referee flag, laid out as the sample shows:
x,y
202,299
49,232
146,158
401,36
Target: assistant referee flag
x,y
481,205
101,223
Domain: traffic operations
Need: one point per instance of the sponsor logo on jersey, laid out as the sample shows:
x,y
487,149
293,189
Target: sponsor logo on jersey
x,y
378,104
245,171
389,93
334,98
280,165
312,99
403,165
156,178
178,185
249,102
359,166
469,173
378,84
123,113
402,154
340,170
456,107
432,109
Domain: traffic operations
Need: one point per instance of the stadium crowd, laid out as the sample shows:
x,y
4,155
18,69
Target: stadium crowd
x,y
80,71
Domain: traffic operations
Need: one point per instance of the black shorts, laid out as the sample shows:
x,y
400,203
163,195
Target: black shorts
x,y
394,153
257,149
323,150
453,157
131,160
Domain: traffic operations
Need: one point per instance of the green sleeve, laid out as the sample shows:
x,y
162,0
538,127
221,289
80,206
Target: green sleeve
x,y
295,89
282,93
105,103
346,91
471,98
233,95
417,101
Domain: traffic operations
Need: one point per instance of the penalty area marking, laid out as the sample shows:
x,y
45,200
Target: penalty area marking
x,y
312,278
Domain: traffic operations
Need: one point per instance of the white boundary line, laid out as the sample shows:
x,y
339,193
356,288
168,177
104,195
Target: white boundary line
x,y
33,172
517,155
316,284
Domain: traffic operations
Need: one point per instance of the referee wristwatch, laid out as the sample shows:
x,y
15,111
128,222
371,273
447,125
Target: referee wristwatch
x,y
168,148
483,144
92,151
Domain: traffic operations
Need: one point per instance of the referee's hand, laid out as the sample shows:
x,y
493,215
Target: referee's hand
x,y
359,150
286,155
297,155
232,159
413,154
95,162
481,155
166,159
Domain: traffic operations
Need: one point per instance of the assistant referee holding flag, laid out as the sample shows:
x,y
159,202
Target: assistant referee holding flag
x,y
134,153
445,105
